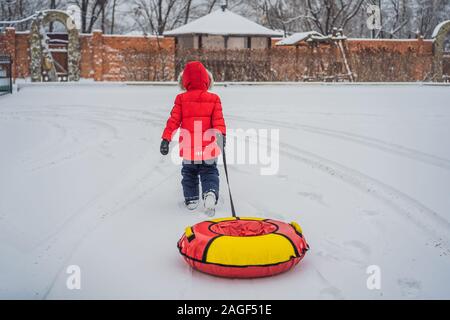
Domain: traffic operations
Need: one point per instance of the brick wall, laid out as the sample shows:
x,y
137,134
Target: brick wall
x,y
369,60
103,57
2,42
121,58
16,45
22,55
139,58
86,62
391,60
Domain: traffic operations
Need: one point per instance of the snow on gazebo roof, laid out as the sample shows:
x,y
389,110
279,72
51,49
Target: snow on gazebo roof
x,y
224,23
299,37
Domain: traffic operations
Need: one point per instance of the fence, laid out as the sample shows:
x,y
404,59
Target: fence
x,y
5,74
135,58
367,61
149,65
229,65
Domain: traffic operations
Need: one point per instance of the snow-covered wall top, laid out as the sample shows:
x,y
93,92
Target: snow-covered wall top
x,y
298,37
223,22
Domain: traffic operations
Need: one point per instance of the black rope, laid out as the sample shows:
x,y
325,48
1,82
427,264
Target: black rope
x,y
233,211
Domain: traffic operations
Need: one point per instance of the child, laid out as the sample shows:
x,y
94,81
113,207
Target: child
x,y
199,114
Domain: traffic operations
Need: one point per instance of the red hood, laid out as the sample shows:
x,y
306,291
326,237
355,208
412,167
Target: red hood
x,y
195,76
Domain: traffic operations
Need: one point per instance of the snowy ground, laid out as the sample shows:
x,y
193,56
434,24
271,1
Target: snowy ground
x,y
364,169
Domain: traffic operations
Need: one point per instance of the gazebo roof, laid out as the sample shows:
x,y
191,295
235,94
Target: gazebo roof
x,y
224,23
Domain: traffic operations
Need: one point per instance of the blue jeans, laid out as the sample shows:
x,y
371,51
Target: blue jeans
x,y
209,177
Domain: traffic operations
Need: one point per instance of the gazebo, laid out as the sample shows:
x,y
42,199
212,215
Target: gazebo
x,y
222,41
222,29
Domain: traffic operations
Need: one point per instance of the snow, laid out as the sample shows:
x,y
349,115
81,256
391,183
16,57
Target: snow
x,y
298,37
133,34
221,22
387,40
365,170
57,50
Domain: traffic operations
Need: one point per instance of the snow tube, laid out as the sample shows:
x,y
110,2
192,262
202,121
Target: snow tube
x,y
243,247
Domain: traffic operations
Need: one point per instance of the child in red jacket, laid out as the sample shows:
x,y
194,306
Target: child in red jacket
x,y
202,136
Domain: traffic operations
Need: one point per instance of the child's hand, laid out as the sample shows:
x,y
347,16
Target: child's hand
x,y
164,148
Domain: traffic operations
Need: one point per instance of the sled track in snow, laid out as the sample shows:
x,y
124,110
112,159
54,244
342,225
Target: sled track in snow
x,y
378,144
98,116
423,217
141,180
384,146
136,190
39,149
69,146
426,219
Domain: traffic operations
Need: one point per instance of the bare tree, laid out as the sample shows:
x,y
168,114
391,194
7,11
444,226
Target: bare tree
x,y
19,10
399,18
428,14
91,11
300,15
210,5
188,11
157,16
328,14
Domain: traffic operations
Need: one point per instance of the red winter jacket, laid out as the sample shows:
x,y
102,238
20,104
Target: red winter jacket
x,y
198,113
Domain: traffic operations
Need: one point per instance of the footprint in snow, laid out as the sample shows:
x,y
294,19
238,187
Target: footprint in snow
x,y
370,213
372,217
364,250
316,197
352,251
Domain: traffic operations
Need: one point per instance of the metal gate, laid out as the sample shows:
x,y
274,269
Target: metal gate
x,y
57,46
5,74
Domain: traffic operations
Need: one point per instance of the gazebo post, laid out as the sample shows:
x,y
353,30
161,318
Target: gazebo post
x,y
296,62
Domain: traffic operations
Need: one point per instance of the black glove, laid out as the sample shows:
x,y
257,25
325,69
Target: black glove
x,y
221,141
164,148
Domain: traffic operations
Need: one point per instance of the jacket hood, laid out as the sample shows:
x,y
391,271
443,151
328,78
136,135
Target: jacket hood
x,y
196,77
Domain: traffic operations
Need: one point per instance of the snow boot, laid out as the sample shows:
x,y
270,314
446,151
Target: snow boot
x,y
210,201
191,204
